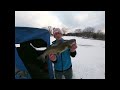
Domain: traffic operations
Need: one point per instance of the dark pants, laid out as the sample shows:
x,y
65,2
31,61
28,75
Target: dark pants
x,y
67,74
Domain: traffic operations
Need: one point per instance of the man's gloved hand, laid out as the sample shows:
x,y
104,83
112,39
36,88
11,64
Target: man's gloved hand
x,y
52,57
73,47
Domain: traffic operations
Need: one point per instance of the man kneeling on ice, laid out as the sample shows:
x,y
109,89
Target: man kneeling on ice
x,y
62,62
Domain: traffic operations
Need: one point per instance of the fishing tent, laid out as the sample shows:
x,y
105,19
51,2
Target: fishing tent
x,y
26,64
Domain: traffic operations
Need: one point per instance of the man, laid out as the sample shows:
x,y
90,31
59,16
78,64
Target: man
x,y
62,63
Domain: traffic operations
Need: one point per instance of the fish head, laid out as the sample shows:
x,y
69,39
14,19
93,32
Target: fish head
x,y
71,42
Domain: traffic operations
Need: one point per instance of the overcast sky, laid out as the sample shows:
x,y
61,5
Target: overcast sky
x,y
68,19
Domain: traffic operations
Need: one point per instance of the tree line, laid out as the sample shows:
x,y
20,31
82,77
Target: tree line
x,y
88,32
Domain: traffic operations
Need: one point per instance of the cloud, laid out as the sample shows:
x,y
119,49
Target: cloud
x,y
69,19
81,19
36,19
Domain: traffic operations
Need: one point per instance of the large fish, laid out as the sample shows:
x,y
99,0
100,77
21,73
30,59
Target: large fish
x,y
57,49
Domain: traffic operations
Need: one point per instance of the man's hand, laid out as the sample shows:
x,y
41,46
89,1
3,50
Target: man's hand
x,y
73,47
52,57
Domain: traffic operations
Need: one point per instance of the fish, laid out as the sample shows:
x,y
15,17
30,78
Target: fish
x,y
57,49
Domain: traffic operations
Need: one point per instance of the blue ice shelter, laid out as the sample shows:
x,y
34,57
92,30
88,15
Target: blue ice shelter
x,y
26,64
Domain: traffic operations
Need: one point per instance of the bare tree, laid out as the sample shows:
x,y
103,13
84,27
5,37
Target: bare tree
x,y
88,32
78,31
89,29
100,35
50,29
64,30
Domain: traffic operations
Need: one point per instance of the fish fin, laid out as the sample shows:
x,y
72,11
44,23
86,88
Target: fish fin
x,y
42,58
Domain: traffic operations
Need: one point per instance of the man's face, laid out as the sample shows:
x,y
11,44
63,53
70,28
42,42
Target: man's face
x,y
57,35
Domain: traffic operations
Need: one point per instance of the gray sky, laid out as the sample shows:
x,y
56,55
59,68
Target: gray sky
x,y
68,19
